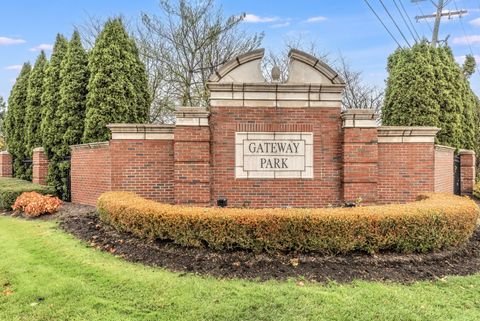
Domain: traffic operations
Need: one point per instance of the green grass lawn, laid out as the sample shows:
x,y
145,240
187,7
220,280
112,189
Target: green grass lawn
x,y
46,274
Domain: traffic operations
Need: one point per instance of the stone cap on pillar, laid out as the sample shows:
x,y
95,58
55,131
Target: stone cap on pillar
x,y
192,116
359,118
4,152
466,152
38,149
141,131
407,134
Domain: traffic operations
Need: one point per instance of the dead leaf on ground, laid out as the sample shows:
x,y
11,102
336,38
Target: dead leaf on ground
x,y
7,292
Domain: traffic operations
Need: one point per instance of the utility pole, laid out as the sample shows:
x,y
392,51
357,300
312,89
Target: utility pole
x,y
438,17
436,26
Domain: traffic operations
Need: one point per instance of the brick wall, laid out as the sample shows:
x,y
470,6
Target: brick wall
x,y
444,169
404,171
467,171
5,164
360,165
39,166
192,165
325,188
144,167
90,172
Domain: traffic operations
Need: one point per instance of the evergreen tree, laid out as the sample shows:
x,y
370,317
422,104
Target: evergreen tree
x,y
33,114
449,97
469,66
3,109
71,112
15,122
410,93
118,88
51,97
426,87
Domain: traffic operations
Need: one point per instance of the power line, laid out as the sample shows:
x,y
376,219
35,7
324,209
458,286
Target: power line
x,y
404,20
438,17
395,23
410,20
466,37
423,14
383,24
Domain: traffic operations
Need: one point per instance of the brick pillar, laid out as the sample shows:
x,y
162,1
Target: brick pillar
x,y
192,157
467,171
360,155
40,166
6,169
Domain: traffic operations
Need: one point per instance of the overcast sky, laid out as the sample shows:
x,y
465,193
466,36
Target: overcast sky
x,y
348,27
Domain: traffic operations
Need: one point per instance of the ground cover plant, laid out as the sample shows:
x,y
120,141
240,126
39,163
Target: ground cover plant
x,y
11,188
435,222
46,274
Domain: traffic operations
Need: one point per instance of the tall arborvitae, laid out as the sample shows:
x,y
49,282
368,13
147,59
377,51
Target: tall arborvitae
x,y
33,112
15,122
448,96
410,93
71,111
426,87
118,88
51,97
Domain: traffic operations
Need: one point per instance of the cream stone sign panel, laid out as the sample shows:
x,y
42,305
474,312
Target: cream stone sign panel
x,y
273,155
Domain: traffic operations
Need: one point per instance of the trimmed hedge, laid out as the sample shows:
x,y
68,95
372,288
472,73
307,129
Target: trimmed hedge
x,y
11,188
435,221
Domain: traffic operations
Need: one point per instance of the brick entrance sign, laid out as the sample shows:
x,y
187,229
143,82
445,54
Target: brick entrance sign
x,y
262,144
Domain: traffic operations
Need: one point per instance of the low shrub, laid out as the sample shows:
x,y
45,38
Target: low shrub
x,y
11,188
33,204
433,222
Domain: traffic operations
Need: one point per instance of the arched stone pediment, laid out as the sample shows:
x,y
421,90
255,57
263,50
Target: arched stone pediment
x,y
245,68
311,83
303,69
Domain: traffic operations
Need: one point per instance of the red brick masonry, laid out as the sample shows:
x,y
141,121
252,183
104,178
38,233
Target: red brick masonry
x,y
192,164
5,164
90,172
444,169
40,166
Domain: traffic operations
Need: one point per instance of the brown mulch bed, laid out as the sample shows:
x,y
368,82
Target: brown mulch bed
x,y
82,222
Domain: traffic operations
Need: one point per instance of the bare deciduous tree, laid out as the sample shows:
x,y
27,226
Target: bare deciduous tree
x,y
358,94
184,46
281,60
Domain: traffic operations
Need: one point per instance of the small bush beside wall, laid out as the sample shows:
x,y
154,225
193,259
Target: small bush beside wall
x,y
11,188
33,204
435,221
